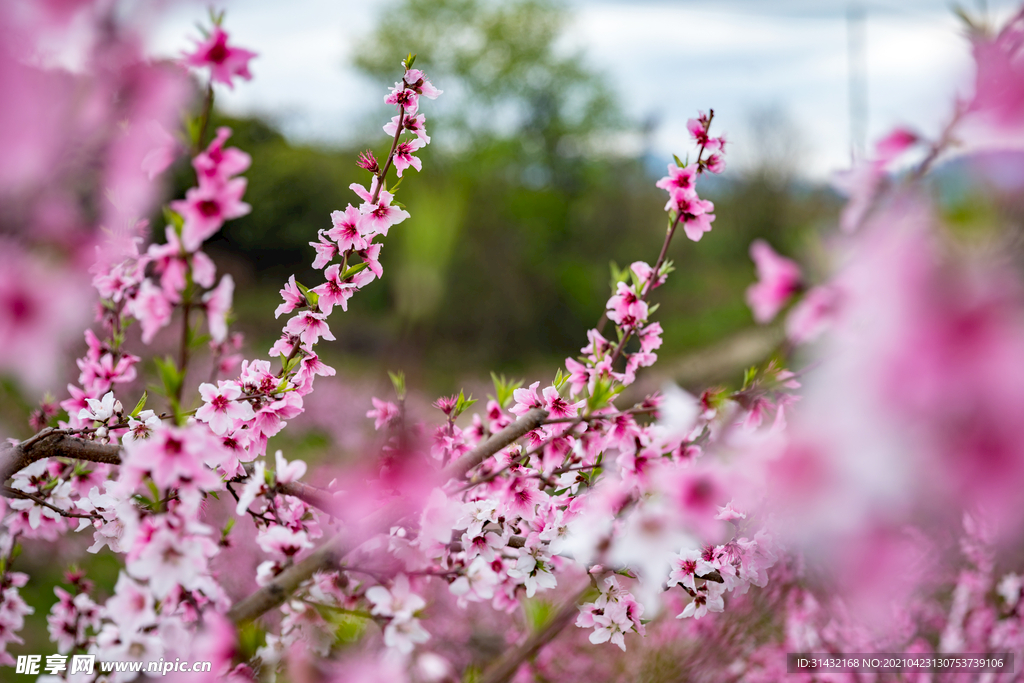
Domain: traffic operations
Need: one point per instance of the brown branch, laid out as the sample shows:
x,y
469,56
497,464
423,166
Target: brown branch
x,y
503,669
513,542
56,444
327,557
277,591
485,449
319,498
8,492
330,554
391,155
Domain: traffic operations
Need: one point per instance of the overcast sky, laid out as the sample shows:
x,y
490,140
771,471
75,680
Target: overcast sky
x,y
665,59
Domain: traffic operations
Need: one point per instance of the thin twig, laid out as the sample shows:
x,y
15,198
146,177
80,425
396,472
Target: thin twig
x,y
391,155
649,285
9,492
506,666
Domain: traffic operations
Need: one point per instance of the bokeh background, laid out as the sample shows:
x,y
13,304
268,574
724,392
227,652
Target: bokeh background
x,y
558,117
556,121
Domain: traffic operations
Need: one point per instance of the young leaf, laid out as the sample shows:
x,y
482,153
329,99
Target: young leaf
x,y
173,218
637,282
560,379
538,613
349,272
398,381
462,404
167,370
140,405
504,389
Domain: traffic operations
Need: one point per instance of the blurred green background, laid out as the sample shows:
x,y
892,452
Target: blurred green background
x,y
528,192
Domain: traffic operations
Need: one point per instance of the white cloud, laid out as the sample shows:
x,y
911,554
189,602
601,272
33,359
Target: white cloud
x,y
664,58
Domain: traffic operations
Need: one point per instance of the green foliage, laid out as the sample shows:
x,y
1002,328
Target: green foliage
x,y
170,378
140,405
398,382
174,219
504,388
538,612
504,262
603,394
560,379
312,298
499,64
251,637
461,404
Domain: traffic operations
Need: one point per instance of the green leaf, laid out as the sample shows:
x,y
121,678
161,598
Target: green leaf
x,y
398,382
409,61
560,379
200,340
288,364
347,626
679,162
173,218
504,389
251,637
359,267
605,389
462,404
618,275
311,297
140,405
538,613
472,674
637,282
155,492
167,370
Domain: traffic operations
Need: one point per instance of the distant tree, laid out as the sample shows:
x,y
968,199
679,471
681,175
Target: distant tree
x,y
506,77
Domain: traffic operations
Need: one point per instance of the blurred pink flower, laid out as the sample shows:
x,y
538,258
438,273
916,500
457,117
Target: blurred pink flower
x,y
218,303
41,304
225,61
778,279
205,208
